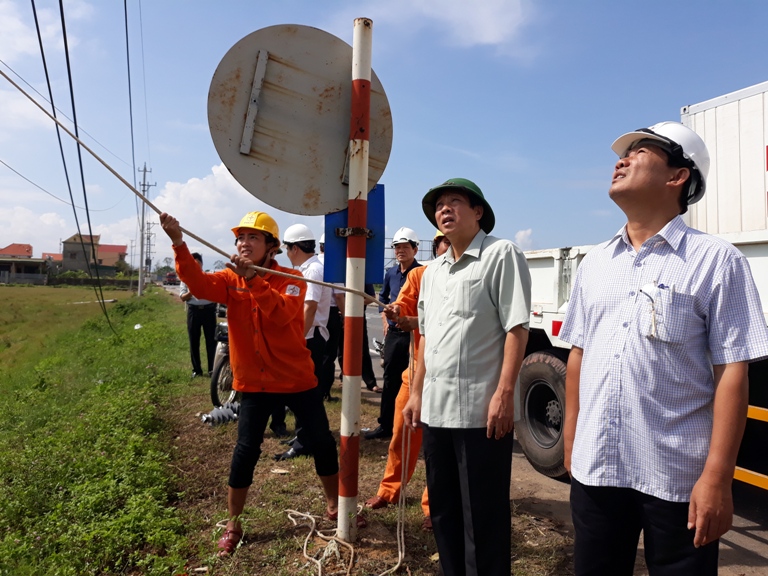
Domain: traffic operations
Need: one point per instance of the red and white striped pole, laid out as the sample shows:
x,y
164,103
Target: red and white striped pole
x,y
354,311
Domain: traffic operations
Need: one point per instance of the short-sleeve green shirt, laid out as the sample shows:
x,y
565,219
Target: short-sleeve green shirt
x,y
466,308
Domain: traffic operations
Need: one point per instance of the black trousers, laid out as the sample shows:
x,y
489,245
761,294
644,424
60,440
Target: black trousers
x,y
316,346
368,375
330,352
608,522
205,318
315,434
396,356
468,478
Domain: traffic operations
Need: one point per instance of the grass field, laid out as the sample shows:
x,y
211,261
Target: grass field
x,y
105,467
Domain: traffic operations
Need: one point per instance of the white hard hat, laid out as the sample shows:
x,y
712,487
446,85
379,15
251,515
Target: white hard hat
x,y
405,235
297,233
322,238
676,140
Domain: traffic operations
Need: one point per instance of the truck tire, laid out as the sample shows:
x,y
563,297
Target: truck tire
x,y
221,383
540,429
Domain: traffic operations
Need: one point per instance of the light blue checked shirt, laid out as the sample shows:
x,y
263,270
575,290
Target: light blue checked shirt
x,y
652,323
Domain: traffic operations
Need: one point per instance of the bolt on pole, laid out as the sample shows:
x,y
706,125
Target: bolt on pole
x,y
354,310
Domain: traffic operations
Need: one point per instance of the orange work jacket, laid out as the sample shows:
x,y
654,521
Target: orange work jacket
x,y
265,317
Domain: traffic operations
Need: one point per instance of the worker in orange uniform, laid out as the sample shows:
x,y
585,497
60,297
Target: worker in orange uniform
x,y
404,312
269,371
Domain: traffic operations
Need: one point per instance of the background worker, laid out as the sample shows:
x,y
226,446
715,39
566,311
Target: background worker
x,y
201,314
474,307
299,245
404,312
369,377
270,371
335,327
663,320
396,342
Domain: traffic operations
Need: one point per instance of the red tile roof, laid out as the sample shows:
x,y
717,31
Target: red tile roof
x,y
113,248
17,250
52,256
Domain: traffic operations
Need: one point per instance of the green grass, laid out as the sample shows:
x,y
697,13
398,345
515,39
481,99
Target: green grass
x,y
84,482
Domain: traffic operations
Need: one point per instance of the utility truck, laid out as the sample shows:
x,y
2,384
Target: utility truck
x,y
735,208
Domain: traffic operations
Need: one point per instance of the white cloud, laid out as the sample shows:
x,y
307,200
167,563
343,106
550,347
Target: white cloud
x,y
19,37
523,239
17,113
24,226
209,207
488,23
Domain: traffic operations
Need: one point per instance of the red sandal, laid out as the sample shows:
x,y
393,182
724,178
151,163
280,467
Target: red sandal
x,y
228,543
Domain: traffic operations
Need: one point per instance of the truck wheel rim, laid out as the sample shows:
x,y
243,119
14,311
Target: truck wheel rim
x,y
544,414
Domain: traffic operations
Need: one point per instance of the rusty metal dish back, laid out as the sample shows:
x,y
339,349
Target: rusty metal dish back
x,y
298,149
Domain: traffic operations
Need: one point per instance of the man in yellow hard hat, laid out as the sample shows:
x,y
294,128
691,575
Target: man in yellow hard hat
x,y
271,364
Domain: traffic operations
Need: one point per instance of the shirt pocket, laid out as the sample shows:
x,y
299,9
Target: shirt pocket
x,y
675,318
467,297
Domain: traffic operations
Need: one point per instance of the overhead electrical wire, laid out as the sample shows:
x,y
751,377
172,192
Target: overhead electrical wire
x,y
61,112
367,298
130,92
144,84
20,175
130,115
98,288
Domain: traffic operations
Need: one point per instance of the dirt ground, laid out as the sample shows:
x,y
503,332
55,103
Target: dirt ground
x,y
743,550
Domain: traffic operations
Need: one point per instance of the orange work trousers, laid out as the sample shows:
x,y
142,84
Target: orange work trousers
x,y
389,488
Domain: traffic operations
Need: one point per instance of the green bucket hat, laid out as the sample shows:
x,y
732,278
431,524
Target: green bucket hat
x,y
487,221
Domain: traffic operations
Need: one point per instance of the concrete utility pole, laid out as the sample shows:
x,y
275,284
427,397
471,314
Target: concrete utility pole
x,y
130,268
150,243
144,192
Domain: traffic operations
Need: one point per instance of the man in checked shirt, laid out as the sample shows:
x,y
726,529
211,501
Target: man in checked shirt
x,y
663,320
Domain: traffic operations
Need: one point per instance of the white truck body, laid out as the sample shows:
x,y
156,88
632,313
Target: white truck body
x,y
735,208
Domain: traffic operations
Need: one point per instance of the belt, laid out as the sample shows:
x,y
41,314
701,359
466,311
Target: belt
x,y
202,306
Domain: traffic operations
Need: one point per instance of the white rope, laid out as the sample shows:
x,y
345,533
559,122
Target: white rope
x,y
366,298
406,452
294,516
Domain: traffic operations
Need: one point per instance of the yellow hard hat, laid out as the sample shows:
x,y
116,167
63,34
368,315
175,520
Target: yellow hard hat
x,y
438,234
258,221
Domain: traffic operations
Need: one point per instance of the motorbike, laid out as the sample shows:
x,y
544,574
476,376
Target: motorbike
x,y
221,377
379,347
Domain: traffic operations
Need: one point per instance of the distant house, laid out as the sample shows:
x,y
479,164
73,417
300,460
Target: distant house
x,y
104,256
18,267
111,254
73,257
52,257
16,251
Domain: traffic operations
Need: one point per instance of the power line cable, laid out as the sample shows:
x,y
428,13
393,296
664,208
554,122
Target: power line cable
x,y
60,112
53,108
130,112
130,92
144,83
12,169
100,292
366,298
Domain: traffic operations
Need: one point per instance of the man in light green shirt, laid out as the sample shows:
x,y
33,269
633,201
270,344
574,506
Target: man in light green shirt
x,y
474,308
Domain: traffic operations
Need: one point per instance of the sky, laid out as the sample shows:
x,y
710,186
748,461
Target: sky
x,y
524,97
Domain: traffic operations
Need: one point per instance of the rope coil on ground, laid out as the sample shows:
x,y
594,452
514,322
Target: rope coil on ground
x,y
294,516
